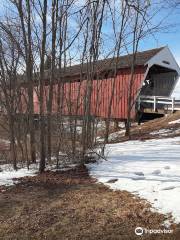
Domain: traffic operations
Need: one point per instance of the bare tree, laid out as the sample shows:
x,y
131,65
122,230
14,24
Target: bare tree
x,y
139,23
9,61
124,16
47,38
26,48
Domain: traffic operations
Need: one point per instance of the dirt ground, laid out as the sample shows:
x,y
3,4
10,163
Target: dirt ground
x,y
72,206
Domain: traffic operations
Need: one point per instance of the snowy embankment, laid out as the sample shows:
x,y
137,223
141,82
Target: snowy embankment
x,y
150,169
7,174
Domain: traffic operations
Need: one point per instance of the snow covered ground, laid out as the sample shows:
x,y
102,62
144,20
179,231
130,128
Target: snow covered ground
x,y
115,135
150,169
174,122
161,132
7,173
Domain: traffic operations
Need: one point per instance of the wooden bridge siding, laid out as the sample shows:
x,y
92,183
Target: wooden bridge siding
x,y
100,96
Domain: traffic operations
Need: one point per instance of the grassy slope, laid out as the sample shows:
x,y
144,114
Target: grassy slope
x,y
144,131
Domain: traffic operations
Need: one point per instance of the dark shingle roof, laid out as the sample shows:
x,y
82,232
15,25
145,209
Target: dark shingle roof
x,y
122,62
72,73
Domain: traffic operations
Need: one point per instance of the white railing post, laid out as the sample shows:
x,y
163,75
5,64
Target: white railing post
x,y
139,103
154,103
173,101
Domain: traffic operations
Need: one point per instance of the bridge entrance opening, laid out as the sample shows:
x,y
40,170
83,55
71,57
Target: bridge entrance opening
x,y
160,81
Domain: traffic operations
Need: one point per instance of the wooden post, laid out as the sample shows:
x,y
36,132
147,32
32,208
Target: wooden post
x,y
154,103
173,100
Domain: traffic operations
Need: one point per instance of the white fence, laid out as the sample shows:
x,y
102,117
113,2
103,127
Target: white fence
x,y
161,102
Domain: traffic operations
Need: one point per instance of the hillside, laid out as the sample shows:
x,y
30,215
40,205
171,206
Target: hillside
x,y
167,126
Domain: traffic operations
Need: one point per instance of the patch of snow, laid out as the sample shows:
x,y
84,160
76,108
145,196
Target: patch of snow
x,y
100,139
8,174
69,128
165,132
112,136
101,125
65,167
162,132
174,122
121,125
149,169
115,135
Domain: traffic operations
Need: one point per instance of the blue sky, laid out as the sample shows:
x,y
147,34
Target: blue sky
x,y
172,40
169,36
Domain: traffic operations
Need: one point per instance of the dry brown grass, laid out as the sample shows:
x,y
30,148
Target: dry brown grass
x,y
143,132
71,206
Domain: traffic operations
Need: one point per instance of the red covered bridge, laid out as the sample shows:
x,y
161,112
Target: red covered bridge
x,y
156,73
